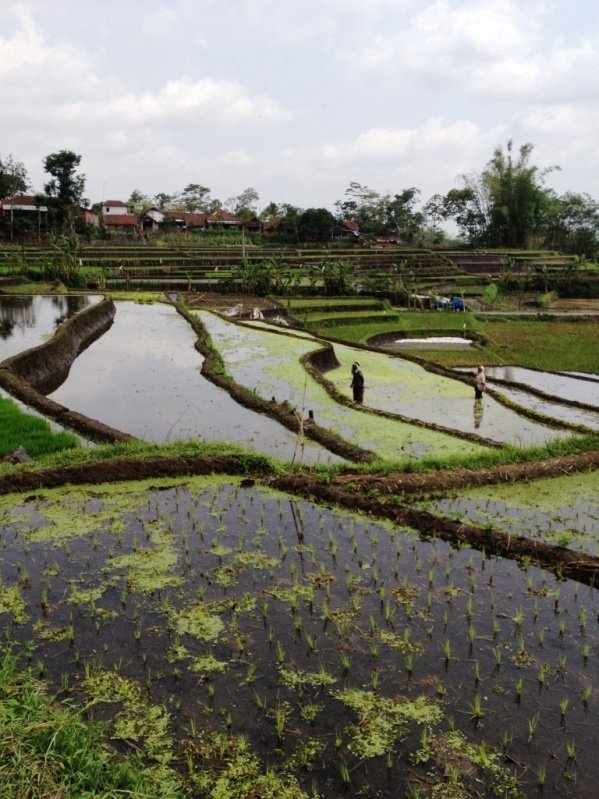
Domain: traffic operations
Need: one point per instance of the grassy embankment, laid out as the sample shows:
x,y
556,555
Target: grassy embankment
x,y
49,750
556,344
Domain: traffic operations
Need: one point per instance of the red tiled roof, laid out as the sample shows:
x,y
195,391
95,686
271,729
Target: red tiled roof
x,y
195,219
21,199
114,204
224,217
120,220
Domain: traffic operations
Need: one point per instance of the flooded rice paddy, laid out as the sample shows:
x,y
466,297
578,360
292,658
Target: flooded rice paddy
x,y
144,377
254,641
393,385
406,388
566,387
269,364
558,510
553,410
26,322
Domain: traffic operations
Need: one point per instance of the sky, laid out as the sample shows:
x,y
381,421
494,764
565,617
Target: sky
x,y
299,98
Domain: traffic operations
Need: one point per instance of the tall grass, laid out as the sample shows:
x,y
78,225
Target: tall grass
x,y
31,432
49,750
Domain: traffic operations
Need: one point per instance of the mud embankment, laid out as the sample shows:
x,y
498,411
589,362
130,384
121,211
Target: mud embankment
x,y
376,496
32,374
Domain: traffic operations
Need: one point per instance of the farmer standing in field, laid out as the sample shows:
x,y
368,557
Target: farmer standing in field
x,y
357,382
479,382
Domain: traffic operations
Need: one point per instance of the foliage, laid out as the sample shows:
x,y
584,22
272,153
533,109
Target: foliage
x,y
503,206
65,264
382,214
573,224
48,750
19,429
64,192
13,178
518,201
315,224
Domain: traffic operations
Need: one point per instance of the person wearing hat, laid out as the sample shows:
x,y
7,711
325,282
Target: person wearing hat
x,y
479,382
357,382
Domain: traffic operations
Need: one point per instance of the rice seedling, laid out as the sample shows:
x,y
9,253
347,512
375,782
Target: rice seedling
x,y
541,776
532,726
519,684
344,774
476,711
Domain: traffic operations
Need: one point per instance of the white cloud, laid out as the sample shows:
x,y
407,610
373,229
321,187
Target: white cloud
x,y
298,99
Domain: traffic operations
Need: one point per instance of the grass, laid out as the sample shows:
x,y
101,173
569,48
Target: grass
x,y
49,750
31,432
35,288
485,459
140,449
567,345
408,321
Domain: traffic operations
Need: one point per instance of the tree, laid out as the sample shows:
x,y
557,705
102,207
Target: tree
x,y
573,224
195,198
162,200
365,206
271,211
244,204
64,192
518,201
13,181
433,213
468,207
402,217
13,178
315,224
138,202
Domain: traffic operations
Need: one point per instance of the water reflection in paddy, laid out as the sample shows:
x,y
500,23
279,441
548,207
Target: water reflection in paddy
x,y
144,377
555,410
560,385
26,322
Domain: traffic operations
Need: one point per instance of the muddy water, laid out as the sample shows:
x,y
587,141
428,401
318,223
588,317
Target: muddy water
x,y
144,377
243,612
26,322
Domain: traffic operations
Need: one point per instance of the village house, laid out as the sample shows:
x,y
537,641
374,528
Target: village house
x,y
117,219
24,209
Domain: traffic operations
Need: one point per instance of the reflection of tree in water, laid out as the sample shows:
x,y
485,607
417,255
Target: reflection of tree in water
x,y
21,313
16,312
478,412
68,306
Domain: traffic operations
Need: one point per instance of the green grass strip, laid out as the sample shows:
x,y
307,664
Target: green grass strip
x,y
49,750
18,428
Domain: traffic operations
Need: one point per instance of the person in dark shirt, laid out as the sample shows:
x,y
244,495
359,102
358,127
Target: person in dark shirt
x,y
357,382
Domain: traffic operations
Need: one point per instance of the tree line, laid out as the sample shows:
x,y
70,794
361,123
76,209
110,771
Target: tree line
x,y
505,205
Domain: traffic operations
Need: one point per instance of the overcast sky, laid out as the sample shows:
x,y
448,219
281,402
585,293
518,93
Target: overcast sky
x,y
297,98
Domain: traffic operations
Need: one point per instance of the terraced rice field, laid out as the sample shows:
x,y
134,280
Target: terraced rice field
x,y
259,645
